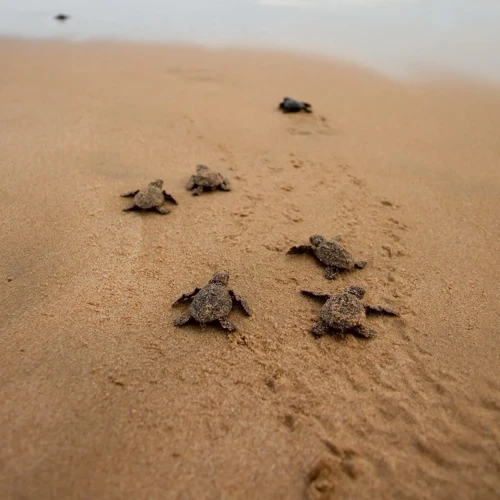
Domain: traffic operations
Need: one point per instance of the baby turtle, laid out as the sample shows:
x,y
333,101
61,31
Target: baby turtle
x,y
212,303
344,312
330,253
151,198
289,105
206,180
61,17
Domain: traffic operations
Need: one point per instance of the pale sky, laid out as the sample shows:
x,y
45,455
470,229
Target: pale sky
x,y
390,35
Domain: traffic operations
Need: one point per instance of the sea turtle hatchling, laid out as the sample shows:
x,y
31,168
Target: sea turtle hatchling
x,y
288,105
330,253
344,312
151,198
206,180
212,303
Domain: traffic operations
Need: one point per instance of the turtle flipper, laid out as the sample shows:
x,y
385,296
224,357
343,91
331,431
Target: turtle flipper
x,y
182,320
197,191
331,273
242,302
363,331
130,208
361,264
227,325
129,193
299,249
380,310
169,197
163,210
225,186
186,296
191,183
316,295
319,329
307,107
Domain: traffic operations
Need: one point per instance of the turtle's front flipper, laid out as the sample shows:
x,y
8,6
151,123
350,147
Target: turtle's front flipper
x,y
380,310
331,273
169,197
163,210
319,329
300,249
242,302
363,331
225,186
307,107
227,325
182,320
197,191
129,193
186,296
361,264
316,295
191,183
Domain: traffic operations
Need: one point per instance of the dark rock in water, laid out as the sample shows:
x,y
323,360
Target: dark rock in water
x,y
289,105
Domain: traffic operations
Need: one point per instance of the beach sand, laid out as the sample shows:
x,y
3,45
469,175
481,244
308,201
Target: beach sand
x,y
102,397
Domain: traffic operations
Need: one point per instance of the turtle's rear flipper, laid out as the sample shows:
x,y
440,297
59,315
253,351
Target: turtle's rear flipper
x,y
316,295
130,208
380,310
363,331
190,183
242,302
331,273
182,320
163,210
186,296
129,193
169,197
227,325
319,329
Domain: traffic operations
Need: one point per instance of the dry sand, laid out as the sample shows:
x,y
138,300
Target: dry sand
x,y
101,397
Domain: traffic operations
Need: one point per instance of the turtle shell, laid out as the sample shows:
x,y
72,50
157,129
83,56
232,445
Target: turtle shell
x,y
211,303
343,311
333,254
149,198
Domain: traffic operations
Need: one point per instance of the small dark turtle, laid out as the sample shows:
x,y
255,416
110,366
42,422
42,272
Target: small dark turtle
x,y
212,303
344,312
61,17
151,198
289,105
330,253
206,180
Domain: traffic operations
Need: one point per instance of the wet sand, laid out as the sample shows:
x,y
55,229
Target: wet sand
x,y
102,397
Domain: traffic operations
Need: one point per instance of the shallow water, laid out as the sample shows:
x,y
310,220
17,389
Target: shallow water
x,y
395,36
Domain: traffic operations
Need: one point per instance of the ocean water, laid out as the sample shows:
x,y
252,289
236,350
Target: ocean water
x,y
394,36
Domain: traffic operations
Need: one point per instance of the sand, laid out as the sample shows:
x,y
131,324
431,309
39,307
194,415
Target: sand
x,y
102,397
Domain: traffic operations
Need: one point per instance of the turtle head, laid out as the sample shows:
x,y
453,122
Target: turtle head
x,y
157,183
220,278
356,290
316,240
201,169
